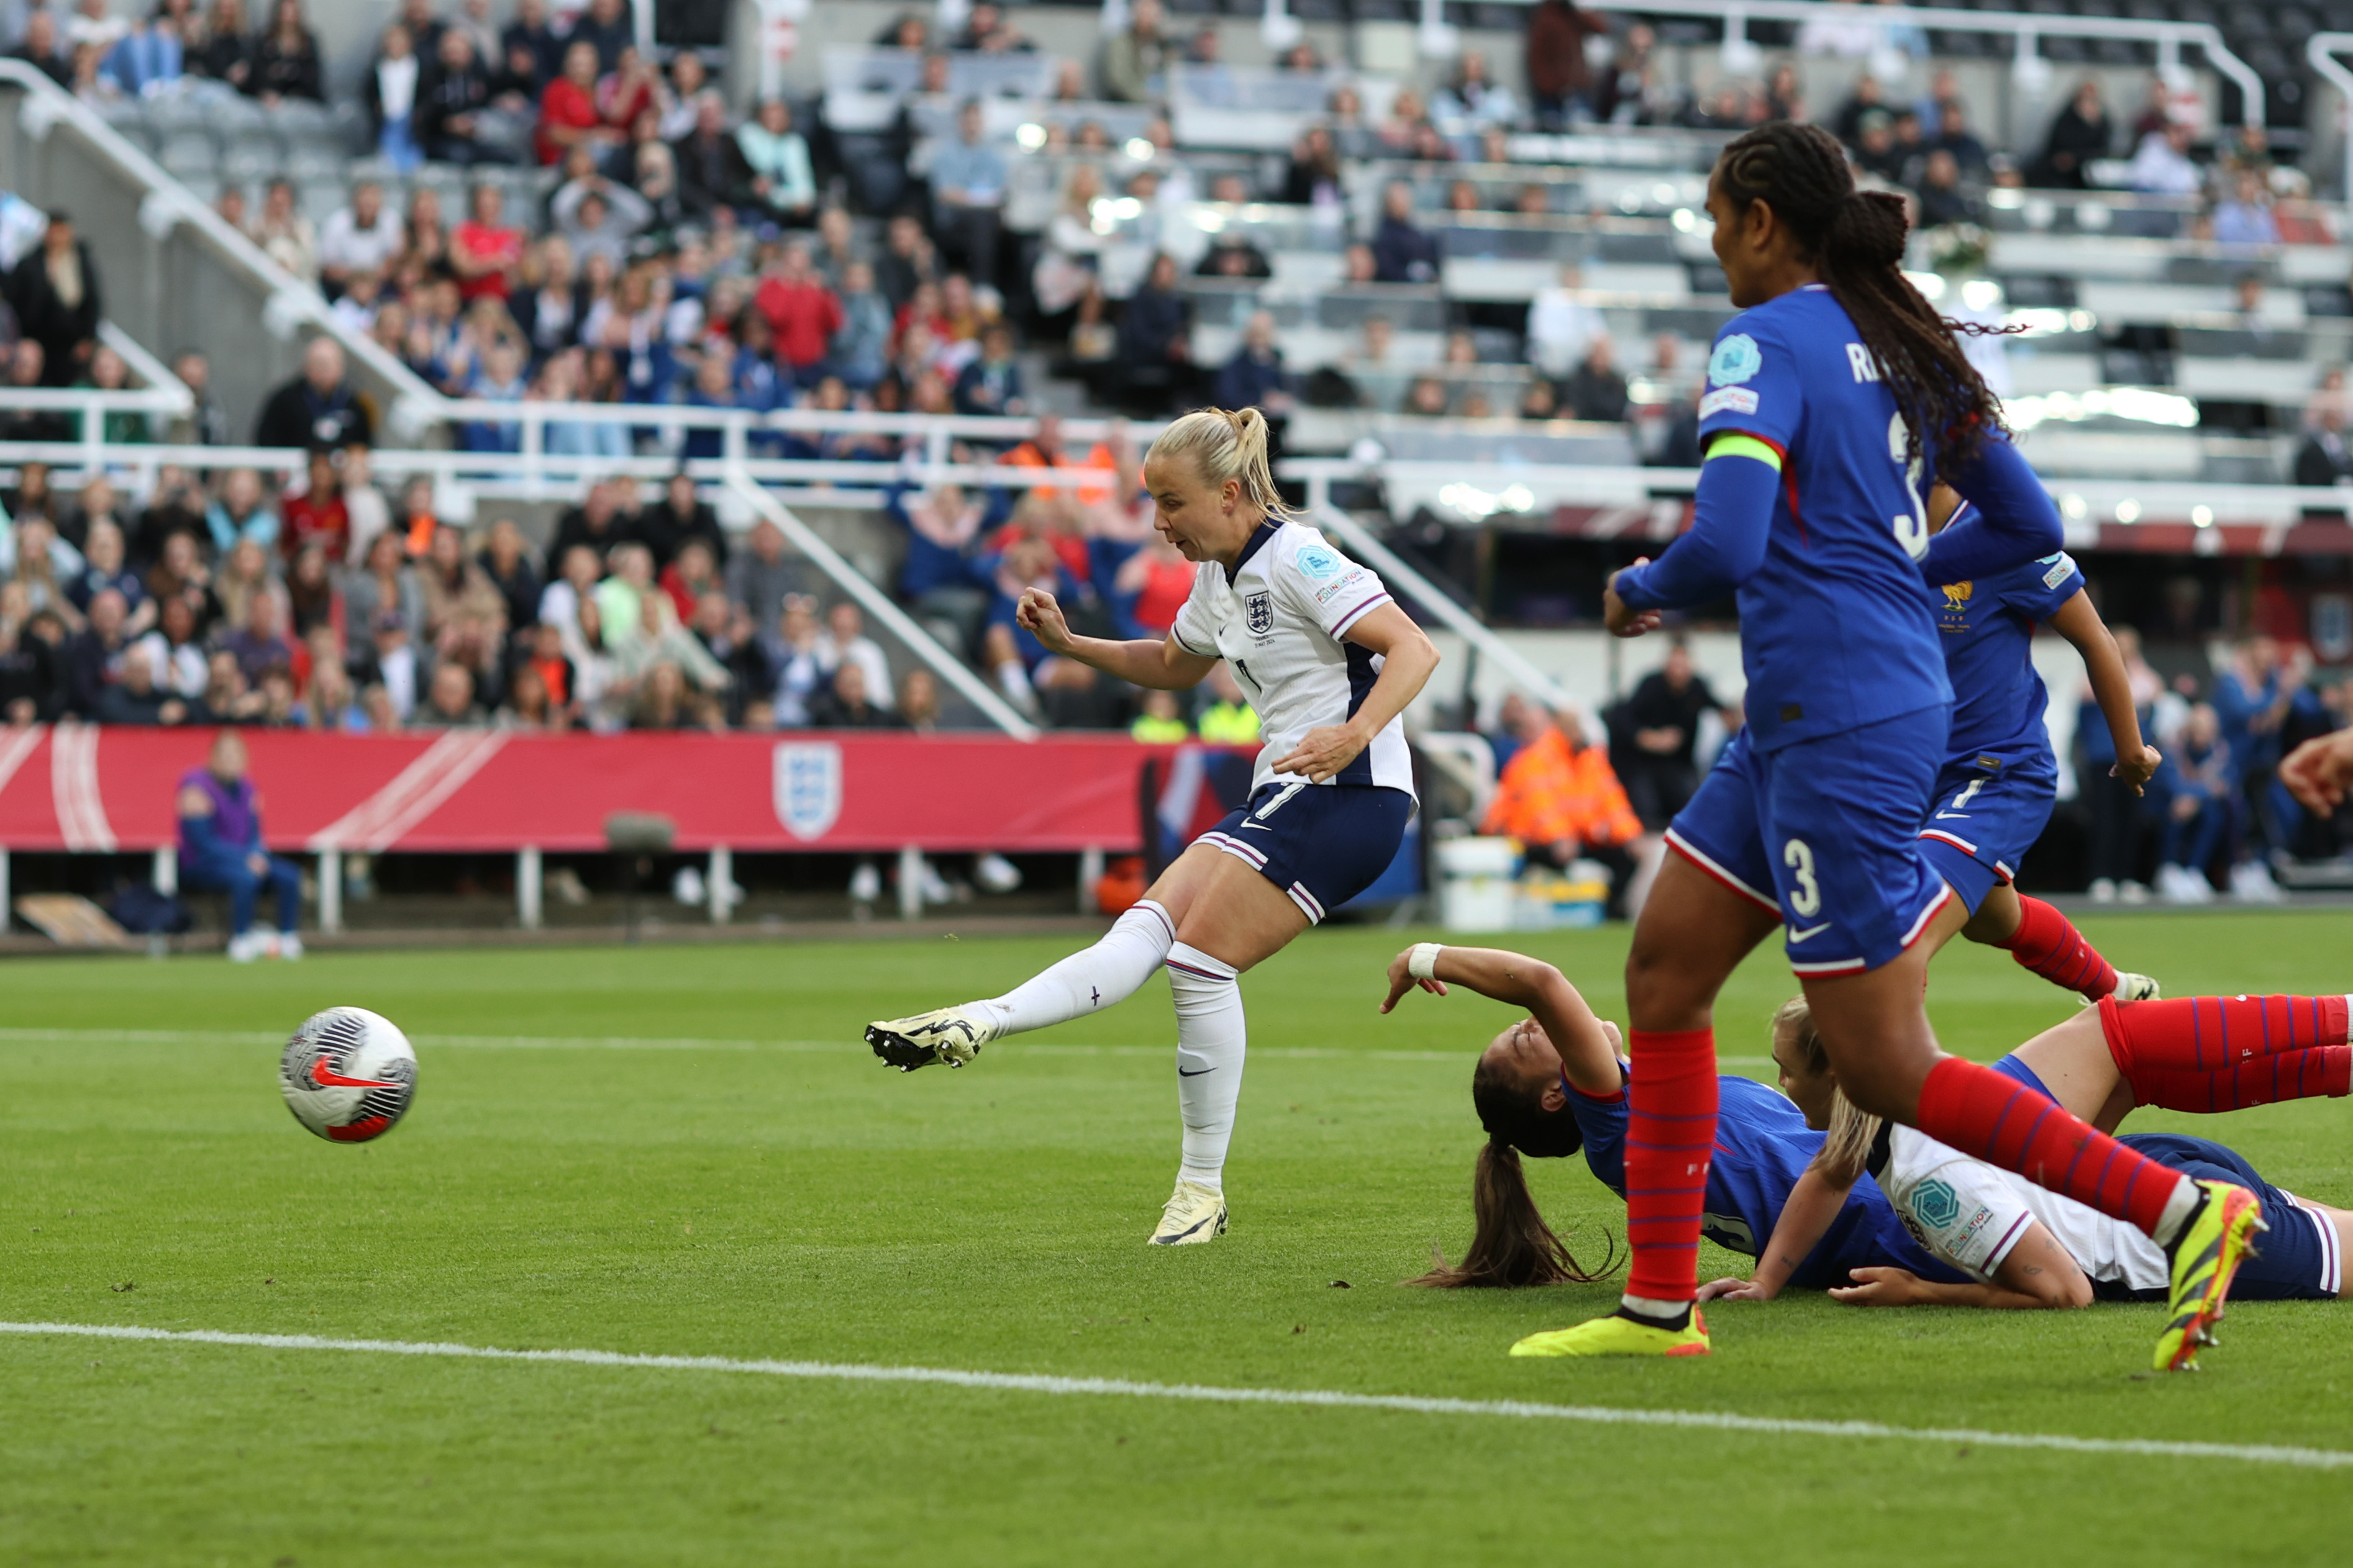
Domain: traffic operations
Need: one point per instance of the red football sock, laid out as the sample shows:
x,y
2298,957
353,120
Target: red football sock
x,y
2311,1073
2220,1053
2047,942
1978,1112
1670,1135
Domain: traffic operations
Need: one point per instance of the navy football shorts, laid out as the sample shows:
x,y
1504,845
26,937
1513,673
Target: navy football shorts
x,y
1826,832
1989,810
1322,843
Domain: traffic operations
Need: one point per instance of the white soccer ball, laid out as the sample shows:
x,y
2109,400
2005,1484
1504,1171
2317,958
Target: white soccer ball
x,y
348,1075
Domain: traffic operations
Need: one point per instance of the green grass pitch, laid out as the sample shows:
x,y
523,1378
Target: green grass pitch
x,y
731,1174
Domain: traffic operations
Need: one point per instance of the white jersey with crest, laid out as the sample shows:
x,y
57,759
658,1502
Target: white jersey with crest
x,y
1279,619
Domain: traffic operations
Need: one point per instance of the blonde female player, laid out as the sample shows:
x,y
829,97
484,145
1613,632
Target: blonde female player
x,y
1329,661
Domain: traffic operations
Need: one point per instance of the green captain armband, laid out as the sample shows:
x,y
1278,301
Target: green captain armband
x,y
1744,447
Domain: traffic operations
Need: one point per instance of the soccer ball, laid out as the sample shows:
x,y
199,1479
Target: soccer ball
x,y
348,1075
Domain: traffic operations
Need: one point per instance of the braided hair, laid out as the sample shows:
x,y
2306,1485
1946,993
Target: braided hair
x,y
1855,240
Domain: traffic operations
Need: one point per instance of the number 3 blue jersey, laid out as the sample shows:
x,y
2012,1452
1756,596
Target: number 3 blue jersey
x,y
1835,633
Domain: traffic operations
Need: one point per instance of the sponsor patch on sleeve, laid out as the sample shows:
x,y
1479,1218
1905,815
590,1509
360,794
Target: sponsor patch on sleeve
x,y
1738,399
2063,566
1734,360
1339,585
1319,563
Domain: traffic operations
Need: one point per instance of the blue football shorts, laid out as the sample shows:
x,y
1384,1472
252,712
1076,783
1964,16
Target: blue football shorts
x,y
1987,811
1322,843
1826,832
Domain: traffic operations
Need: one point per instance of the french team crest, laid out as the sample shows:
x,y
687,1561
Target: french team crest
x,y
1258,613
807,780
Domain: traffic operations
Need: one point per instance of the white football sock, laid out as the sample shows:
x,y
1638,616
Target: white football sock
x,y
2178,1210
1211,1040
1093,978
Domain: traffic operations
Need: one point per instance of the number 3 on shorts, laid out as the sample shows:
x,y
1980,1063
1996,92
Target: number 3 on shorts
x,y
1807,897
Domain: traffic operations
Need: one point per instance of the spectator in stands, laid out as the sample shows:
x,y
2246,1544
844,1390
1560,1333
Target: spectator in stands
x,y
314,604
2082,132
598,216
1943,198
568,116
1559,799
42,48
991,383
103,571
54,291
1660,725
1474,100
220,49
241,513
2252,700
360,239
2324,461
149,57
1313,176
1154,334
969,179
317,516
43,566
286,61
2245,217
759,576
1954,136
1135,60
449,700
860,352
606,28
1255,377
1561,325
284,235
1596,389
1401,252
2196,783
259,644
453,104
1557,73
2162,166
778,157
320,407
532,53
456,588
390,91
845,642
602,521
712,171
679,519
802,313
485,251
221,848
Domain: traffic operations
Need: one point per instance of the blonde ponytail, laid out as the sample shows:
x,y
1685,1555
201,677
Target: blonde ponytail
x,y
1226,444
1847,1148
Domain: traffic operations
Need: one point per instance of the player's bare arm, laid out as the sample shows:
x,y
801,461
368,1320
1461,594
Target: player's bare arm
x,y
2104,662
1408,659
1165,664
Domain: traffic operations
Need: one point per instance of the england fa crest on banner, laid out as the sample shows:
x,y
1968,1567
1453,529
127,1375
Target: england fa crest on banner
x,y
807,780
1258,612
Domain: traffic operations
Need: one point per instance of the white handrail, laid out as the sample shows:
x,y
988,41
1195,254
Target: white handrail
x,y
158,375
168,203
883,608
2320,51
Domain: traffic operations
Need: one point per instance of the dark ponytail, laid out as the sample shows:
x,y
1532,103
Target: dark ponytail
x,y
1855,240
1511,1245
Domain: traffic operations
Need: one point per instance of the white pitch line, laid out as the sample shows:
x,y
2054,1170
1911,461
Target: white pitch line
x,y
634,1042
1029,1383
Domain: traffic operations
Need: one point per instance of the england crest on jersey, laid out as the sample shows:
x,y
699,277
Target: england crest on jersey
x,y
807,783
1258,612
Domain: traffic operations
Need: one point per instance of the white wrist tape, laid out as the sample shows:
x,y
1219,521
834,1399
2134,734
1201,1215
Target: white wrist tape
x,y
1422,961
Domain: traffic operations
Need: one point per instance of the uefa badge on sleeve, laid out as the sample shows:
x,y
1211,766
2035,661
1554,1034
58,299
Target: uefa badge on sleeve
x,y
1258,612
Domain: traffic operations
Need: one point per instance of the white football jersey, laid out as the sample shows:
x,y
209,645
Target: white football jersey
x,y
1971,1213
1279,621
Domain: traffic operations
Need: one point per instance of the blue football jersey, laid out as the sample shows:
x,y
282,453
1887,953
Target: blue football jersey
x,y
1986,626
1833,632
1762,1146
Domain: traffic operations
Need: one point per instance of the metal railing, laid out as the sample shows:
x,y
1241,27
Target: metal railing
x,y
165,294
2320,52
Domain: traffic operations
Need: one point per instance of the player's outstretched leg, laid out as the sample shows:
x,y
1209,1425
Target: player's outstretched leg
x,y
2207,1054
2047,942
1212,1040
1109,972
2205,1228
